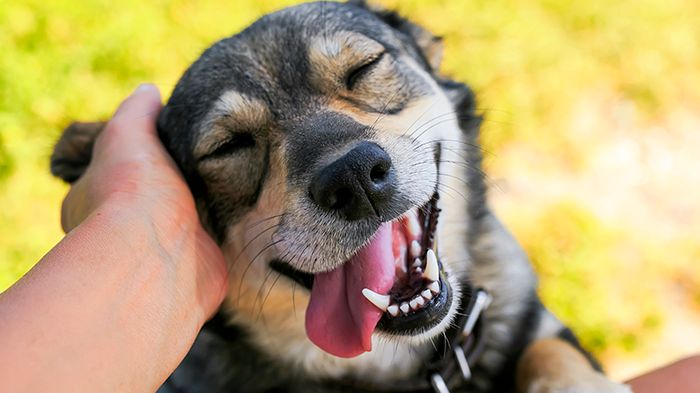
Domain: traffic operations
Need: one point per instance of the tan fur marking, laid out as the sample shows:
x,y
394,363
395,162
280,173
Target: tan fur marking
x,y
553,365
232,111
357,114
331,56
549,358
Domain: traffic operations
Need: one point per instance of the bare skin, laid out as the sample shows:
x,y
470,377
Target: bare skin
x,y
116,305
682,376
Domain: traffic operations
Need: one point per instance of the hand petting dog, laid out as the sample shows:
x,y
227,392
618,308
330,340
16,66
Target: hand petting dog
x,y
116,305
340,172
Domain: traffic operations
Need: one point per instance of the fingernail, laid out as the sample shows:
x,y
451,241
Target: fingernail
x,y
144,87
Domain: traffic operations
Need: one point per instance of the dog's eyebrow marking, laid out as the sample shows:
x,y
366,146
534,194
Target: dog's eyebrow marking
x,y
246,110
232,111
333,55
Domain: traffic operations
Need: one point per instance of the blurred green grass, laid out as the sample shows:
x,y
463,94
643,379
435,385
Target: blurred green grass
x,y
529,61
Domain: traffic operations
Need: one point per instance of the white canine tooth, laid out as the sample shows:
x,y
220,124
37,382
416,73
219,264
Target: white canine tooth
x,y
404,307
419,300
431,266
414,303
381,301
427,294
393,310
415,249
417,263
413,226
434,287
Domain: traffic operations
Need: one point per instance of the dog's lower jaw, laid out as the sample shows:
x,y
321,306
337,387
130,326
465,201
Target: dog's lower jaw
x,y
286,341
282,337
418,339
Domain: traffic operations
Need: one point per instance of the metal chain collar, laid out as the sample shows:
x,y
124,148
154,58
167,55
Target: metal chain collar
x,y
465,347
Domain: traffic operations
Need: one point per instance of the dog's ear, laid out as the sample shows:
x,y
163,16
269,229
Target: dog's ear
x,y
429,46
73,151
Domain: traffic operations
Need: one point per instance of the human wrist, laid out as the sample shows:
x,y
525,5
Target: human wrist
x,y
175,238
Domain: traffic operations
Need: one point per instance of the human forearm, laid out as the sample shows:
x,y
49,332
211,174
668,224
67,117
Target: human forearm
x,y
109,308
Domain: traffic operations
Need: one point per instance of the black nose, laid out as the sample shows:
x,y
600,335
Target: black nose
x,y
357,185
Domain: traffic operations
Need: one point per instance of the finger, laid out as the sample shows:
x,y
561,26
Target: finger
x,y
134,121
141,108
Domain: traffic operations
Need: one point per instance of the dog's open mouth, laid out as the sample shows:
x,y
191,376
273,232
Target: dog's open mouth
x,y
419,297
394,284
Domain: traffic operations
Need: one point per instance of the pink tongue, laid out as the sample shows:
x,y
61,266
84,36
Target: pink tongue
x,y
339,319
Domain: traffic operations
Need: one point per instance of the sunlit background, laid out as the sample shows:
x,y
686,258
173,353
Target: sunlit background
x,y
592,134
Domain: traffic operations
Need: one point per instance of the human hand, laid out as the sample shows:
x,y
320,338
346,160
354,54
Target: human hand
x,y
131,174
118,302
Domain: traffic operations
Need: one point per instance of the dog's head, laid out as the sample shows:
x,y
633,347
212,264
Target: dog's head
x,y
321,146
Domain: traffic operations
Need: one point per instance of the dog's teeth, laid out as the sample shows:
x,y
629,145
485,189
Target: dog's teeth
x,y
393,310
419,270
427,294
434,287
405,307
417,302
414,227
415,249
431,266
417,263
381,301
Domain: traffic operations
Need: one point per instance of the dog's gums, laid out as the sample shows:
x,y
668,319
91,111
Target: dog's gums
x,y
419,298
429,287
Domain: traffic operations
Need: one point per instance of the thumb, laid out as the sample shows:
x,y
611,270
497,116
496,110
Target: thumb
x,y
134,122
141,108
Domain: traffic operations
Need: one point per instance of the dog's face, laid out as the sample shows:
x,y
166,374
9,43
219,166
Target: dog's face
x,y
318,144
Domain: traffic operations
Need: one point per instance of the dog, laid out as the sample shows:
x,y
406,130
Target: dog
x,y
341,175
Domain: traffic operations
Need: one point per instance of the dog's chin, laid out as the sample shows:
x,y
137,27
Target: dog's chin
x,y
425,295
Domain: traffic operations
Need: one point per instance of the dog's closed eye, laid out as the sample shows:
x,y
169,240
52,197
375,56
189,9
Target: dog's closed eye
x,y
236,143
356,73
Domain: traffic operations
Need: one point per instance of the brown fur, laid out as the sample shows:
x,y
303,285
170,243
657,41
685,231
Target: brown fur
x,y
553,365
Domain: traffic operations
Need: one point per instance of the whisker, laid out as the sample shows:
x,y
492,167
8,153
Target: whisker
x,y
429,121
262,305
245,272
235,260
261,289
251,226
446,141
382,113
294,300
441,122
452,189
419,117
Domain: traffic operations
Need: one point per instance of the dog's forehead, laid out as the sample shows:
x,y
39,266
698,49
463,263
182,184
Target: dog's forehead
x,y
281,45
276,62
269,62
282,50
327,58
